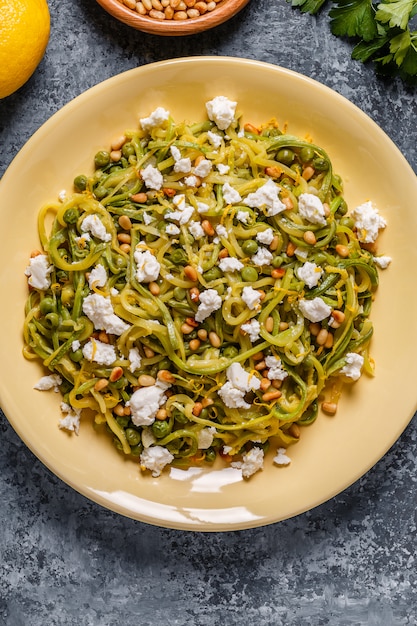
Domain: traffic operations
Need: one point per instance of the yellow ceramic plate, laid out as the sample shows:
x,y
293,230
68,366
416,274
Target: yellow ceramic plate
x,y
334,451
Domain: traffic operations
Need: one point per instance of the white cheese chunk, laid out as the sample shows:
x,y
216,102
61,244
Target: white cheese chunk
x,y
252,328
100,311
98,276
155,458
210,301
265,236
230,264
38,272
310,273
251,297
152,177
315,310
221,111
48,382
93,224
281,457
252,462
311,208
145,402
147,265
353,367
275,369
368,222
266,197
155,119
99,352
230,195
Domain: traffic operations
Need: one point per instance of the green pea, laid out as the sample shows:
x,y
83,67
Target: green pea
x,y
321,165
179,417
76,356
212,274
306,154
179,294
80,182
165,364
100,192
342,209
132,436
71,216
120,384
128,150
136,450
47,305
123,420
230,352
249,274
249,247
101,159
161,429
285,156
187,238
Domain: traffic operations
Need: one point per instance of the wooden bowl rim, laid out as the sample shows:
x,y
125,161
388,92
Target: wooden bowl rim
x,y
225,10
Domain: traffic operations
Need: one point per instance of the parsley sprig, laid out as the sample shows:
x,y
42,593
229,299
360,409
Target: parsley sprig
x,y
382,31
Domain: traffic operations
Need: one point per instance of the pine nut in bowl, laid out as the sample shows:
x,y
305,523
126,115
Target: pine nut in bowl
x,y
173,17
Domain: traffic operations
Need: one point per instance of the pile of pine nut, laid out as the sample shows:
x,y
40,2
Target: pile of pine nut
x,y
178,10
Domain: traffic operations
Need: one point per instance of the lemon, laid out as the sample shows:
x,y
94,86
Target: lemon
x,y
24,35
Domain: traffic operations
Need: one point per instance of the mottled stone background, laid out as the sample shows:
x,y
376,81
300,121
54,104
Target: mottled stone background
x,y
65,561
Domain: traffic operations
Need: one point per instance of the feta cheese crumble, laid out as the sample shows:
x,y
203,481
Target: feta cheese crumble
x,y
314,310
310,273
93,224
210,301
98,276
252,462
275,371
266,197
135,360
99,352
155,119
281,457
311,208
172,229
203,169
230,264
230,195
368,222
152,177
222,168
353,367
48,382
38,272
71,421
214,139
221,111
251,297
100,311
239,382
196,230
262,257
265,236
184,211
145,403
382,261
147,266
253,329
155,458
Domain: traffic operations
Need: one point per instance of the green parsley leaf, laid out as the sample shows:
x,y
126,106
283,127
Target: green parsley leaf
x,y
308,6
395,12
354,18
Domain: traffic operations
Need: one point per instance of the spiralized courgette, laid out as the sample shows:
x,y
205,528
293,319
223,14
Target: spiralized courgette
x,y
213,218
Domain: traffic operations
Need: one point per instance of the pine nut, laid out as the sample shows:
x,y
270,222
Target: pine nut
x,y
169,192
260,366
224,253
274,243
157,15
342,250
141,198
309,237
295,431
119,141
191,321
271,395
197,408
131,4
141,9
308,172
265,384
157,5
194,344
250,128
115,155
125,247
283,326
329,407
211,6
124,238
314,328
101,384
329,341
214,339
191,273
273,171
269,324
169,13
259,356
201,7
161,414
207,227
339,316
149,353
277,273
322,336
154,289
119,410
116,374
186,329
291,247
202,334
289,204
207,402
194,294
180,16
125,222
145,380
166,377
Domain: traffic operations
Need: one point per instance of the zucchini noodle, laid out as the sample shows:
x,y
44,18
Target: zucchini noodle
x,y
201,291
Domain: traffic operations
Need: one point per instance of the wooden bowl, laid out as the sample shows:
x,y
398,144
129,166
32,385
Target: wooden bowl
x,y
224,10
